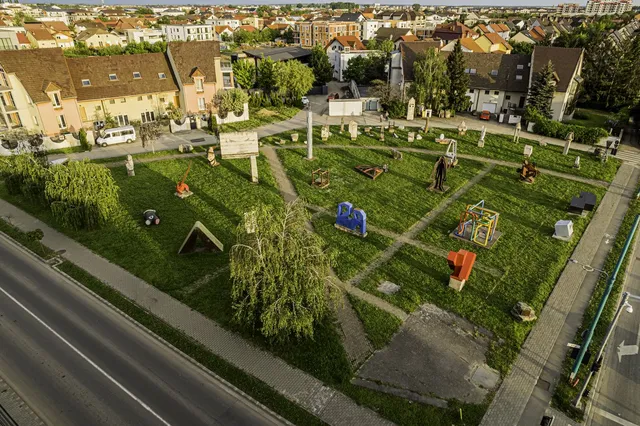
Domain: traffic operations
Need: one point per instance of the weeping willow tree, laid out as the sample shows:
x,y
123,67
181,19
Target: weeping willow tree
x,y
82,195
430,81
24,174
280,273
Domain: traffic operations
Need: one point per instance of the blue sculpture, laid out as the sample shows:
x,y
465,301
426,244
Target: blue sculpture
x,y
351,220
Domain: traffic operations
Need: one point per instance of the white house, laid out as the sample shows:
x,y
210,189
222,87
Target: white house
x,y
150,35
188,32
371,26
341,49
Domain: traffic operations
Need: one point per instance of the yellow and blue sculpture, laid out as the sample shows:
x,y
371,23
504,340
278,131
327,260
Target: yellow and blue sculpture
x,y
351,220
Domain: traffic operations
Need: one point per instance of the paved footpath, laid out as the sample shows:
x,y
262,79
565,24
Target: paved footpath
x,y
513,396
326,403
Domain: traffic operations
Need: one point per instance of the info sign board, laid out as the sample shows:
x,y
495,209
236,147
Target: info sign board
x,y
238,145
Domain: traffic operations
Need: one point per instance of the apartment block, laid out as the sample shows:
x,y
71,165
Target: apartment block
x,y
188,32
608,7
308,34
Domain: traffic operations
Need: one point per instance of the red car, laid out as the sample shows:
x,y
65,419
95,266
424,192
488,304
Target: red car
x,y
333,96
485,115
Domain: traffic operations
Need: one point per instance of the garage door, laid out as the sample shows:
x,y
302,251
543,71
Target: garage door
x,y
491,107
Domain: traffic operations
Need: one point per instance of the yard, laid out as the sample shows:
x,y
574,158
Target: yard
x,y
592,118
261,117
497,147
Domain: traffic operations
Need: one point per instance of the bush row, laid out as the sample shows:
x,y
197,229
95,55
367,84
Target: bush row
x,y
556,129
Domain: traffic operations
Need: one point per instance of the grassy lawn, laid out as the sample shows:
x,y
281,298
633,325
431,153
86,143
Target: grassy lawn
x,y
527,254
379,325
394,201
69,150
261,117
201,280
592,118
147,155
499,147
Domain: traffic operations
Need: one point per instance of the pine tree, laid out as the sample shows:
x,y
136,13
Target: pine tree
x,y
542,90
322,68
458,80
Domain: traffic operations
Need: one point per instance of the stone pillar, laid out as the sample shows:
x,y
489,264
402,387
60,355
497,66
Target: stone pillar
x,y
567,144
309,135
254,169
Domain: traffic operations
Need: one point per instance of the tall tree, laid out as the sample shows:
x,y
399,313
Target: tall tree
x,y
430,80
542,90
266,75
245,74
322,68
293,80
458,80
280,273
356,69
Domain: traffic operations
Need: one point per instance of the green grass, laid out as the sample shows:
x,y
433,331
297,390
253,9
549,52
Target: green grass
x,y
70,150
146,155
200,280
245,382
258,118
594,118
528,257
21,237
351,253
564,393
498,147
379,325
394,201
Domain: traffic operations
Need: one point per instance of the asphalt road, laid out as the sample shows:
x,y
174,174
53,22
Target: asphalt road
x,y
75,361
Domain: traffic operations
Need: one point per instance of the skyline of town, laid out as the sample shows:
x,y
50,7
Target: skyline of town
x,y
463,3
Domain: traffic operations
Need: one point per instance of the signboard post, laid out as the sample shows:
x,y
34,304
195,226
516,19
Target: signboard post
x,y
241,145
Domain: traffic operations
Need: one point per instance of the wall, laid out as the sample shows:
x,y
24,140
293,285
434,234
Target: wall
x,y
349,107
25,108
558,105
191,96
232,118
482,97
133,107
49,116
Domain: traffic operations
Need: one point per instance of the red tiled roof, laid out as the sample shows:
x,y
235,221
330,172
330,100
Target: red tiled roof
x,y
348,41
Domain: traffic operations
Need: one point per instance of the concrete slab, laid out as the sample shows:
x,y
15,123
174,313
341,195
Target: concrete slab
x,y
437,354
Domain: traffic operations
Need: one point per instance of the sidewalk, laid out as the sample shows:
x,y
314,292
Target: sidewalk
x,y
326,403
515,393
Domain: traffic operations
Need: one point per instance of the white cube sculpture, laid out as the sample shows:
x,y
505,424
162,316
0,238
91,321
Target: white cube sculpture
x,y
564,230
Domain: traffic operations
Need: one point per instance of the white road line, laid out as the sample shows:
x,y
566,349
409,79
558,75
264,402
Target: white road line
x,y
93,364
613,417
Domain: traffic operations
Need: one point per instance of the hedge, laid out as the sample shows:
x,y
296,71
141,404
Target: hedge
x,y
555,129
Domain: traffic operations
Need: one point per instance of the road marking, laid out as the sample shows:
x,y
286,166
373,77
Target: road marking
x,y
93,364
626,350
613,417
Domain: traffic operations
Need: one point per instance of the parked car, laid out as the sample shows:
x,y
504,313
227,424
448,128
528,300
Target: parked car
x,y
333,96
125,134
485,115
305,101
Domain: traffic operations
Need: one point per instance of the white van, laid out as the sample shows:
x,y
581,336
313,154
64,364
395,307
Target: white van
x,y
117,135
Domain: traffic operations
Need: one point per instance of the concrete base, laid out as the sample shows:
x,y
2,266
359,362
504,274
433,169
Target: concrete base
x,y
184,195
567,239
584,213
456,284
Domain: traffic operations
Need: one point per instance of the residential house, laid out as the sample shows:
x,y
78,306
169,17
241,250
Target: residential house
x,y
171,12
392,34
150,35
493,43
58,32
23,41
247,28
523,36
370,28
223,30
41,38
254,21
467,44
89,25
497,83
200,73
567,65
341,49
36,91
188,32
13,38
453,31
98,38
128,87
351,17
501,29
228,20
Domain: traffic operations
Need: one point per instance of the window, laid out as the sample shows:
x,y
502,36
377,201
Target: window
x,y
98,108
55,99
162,75
162,100
136,75
472,71
139,98
508,97
486,92
113,77
494,72
35,120
112,101
470,90
86,83
147,116
123,100
201,104
123,120
518,77
496,92
62,123
520,67
149,97
226,80
199,85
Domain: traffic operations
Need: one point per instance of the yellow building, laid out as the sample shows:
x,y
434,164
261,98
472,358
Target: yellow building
x,y
493,43
127,87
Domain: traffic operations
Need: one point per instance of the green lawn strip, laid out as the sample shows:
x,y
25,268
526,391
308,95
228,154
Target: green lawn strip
x,y
261,117
146,155
221,196
21,237
70,150
498,147
594,118
394,201
564,393
243,381
379,325
351,253
531,259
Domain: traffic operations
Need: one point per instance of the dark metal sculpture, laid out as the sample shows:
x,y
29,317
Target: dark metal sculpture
x,y
439,175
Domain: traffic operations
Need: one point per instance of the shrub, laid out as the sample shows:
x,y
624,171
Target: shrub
x,y
397,109
84,143
555,129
